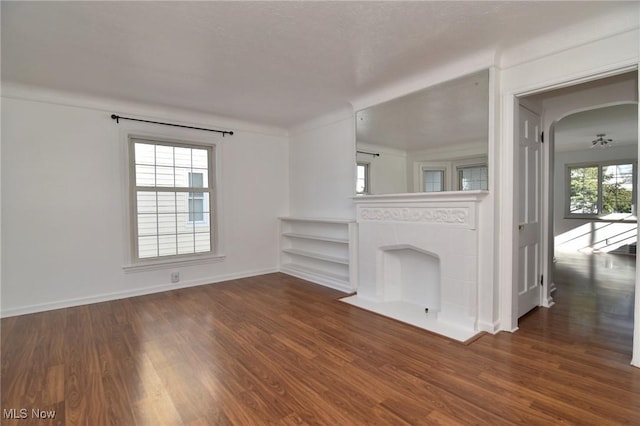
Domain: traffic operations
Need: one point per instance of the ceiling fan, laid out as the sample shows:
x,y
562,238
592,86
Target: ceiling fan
x,y
601,141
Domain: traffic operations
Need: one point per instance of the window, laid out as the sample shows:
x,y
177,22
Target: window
x,y
172,192
362,178
603,189
433,180
473,178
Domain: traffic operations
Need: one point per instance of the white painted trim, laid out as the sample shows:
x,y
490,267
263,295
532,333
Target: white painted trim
x,y
105,297
489,327
419,197
315,219
173,262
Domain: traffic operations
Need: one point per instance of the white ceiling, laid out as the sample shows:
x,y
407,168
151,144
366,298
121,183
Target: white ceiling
x,y
618,122
278,63
454,112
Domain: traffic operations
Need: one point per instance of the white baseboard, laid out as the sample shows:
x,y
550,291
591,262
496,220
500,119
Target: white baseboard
x,y
67,303
489,327
317,279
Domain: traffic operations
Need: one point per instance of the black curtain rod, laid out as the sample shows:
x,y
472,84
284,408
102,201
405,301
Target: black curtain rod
x,y
375,154
118,118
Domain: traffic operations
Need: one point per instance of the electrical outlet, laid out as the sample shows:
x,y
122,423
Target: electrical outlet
x,y
175,277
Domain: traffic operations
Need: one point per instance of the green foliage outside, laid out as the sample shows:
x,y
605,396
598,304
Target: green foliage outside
x,y
616,196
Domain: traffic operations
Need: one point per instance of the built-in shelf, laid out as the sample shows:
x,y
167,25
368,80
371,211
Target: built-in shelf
x,y
315,237
324,257
319,250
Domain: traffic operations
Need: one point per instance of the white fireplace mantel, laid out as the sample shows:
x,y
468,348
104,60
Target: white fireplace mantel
x,y
418,257
419,197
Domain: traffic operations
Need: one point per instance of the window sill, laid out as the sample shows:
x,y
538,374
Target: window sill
x,y
153,265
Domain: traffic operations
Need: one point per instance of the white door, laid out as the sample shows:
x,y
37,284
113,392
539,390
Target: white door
x,y
529,211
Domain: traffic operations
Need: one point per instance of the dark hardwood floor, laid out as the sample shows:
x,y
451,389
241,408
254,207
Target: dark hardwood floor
x,y
277,350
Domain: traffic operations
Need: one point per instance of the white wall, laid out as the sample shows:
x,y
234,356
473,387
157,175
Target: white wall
x,y
322,167
64,193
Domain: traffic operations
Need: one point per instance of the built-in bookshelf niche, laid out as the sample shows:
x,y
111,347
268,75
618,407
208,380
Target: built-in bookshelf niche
x,y
319,250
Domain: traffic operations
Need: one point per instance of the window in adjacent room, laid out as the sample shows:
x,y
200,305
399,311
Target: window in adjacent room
x,y
172,189
598,190
362,178
433,180
473,178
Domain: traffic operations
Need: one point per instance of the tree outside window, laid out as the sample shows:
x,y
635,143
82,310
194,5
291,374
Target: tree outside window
x,y
603,189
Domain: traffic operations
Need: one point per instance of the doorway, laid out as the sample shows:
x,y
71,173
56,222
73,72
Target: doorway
x,y
588,183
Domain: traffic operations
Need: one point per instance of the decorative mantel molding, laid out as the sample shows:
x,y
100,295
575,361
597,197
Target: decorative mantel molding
x,y
442,208
452,216
421,197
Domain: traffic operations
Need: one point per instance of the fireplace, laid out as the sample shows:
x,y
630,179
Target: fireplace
x,y
418,260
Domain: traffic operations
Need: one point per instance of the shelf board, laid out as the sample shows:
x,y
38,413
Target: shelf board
x,y
314,271
315,238
324,257
317,220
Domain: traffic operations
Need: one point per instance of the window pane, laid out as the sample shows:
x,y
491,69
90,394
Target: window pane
x,y
199,159
166,202
147,202
144,153
202,181
186,243
202,242
164,155
166,224
147,247
165,176
147,224
196,209
617,188
195,180
167,245
433,180
473,178
182,157
583,198
145,175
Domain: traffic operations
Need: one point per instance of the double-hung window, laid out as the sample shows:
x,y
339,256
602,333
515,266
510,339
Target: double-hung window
x,y
601,190
172,187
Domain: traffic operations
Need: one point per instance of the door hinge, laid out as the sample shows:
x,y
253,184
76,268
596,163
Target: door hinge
x,y
542,137
542,280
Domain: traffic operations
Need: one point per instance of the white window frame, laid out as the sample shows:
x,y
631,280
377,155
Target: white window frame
x,y
626,217
171,261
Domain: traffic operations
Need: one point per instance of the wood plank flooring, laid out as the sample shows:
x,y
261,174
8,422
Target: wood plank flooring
x,y
274,349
